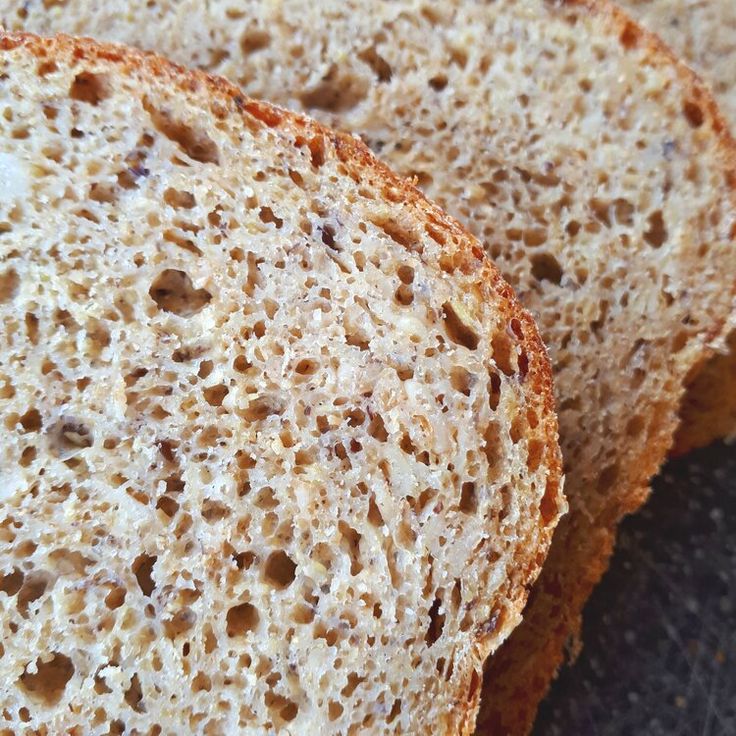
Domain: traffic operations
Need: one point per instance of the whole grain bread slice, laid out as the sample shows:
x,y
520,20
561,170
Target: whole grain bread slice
x,y
593,165
278,445
703,33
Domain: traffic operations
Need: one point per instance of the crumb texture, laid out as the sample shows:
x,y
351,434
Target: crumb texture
x,y
590,164
703,32
278,447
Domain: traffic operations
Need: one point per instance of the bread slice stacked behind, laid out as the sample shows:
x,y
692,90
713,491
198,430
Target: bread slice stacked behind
x,y
703,33
278,445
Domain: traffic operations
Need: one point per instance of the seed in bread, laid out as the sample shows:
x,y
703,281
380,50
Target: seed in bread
x,y
278,445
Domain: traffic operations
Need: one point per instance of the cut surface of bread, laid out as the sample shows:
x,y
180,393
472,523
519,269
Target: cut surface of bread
x,y
703,33
278,445
593,166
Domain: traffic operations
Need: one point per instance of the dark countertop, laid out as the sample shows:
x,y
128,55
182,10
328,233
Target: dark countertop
x,y
659,635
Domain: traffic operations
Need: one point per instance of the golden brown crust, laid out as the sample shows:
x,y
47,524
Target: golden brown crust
x,y
466,254
519,675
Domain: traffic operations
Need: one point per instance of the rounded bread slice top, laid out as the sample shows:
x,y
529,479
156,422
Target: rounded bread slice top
x,y
279,450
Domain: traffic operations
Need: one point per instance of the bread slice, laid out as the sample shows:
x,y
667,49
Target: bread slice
x,y
703,33
591,163
278,450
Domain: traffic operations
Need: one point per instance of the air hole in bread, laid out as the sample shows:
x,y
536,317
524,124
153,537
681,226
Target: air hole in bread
x,y
503,352
357,339
279,570
533,237
350,542
493,449
115,598
693,114
398,233
317,152
607,478
133,695
374,513
656,234
328,237
265,498
377,429
67,437
380,67
173,291
34,586
31,421
215,395
630,35
244,560
306,367
461,380
213,510
102,192
180,623
438,82
407,445
404,295
195,143
281,709
91,88
262,407
635,426
305,456
535,454
545,267
549,505
46,679
205,368
45,67
468,498
254,39
11,582
179,199
334,710
394,712
337,91
241,619
266,215
201,683
9,283
457,330
436,622
355,417
142,568
254,278
353,681
323,555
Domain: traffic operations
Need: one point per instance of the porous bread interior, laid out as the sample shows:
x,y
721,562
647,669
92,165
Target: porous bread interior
x,y
703,33
278,445
592,165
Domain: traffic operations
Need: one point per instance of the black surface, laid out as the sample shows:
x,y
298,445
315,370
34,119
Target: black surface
x,y
659,636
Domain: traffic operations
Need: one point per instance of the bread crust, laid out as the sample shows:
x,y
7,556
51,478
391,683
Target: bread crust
x,y
467,256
